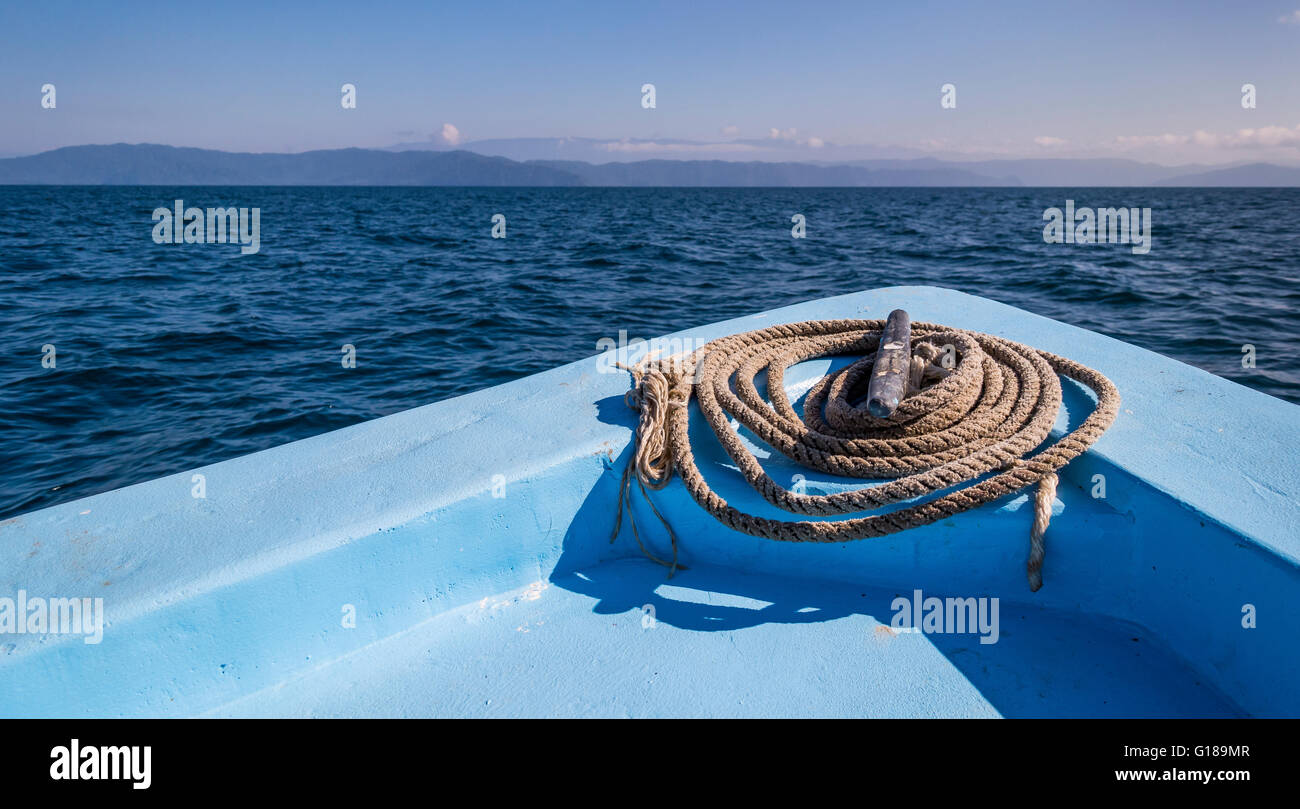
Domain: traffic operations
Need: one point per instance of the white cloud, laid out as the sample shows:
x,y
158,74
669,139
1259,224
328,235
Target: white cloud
x,y
1290,19
791,135
1136,141
947,146
1202,138
1048,140
731,130
450,135
1267,137
651,146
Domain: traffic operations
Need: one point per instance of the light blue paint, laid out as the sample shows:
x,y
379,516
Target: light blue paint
x,y
471,605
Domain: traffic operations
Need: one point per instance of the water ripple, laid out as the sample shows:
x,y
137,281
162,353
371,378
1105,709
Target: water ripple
x,y
174,356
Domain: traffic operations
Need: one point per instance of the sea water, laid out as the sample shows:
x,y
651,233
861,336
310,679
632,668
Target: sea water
x,y
125,359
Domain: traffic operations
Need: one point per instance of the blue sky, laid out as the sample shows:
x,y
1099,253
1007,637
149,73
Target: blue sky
x,y
1033,79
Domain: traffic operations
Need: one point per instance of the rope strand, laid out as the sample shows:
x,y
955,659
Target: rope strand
x,y
985,414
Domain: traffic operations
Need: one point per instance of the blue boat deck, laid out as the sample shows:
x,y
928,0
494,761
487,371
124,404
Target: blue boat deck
x,y
723,643
470,604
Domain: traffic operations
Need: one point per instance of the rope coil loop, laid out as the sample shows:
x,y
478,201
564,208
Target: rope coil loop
x,y
976,405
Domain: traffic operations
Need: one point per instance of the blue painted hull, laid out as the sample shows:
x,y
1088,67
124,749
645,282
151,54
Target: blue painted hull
x,y
454,560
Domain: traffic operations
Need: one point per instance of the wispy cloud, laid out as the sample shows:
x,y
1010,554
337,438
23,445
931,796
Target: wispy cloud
x,y
950,146
652,146
1290,19
1267,137
450,135
1136,141
791,135
1049,141
1264,137
731,130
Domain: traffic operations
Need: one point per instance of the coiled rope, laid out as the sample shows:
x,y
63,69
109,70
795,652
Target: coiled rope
x,y
976,404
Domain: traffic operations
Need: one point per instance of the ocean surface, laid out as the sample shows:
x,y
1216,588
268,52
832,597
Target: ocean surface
x,y
168,357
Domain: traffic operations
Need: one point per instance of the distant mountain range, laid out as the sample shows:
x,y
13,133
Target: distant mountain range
x,y
148,164
756,173
1254,174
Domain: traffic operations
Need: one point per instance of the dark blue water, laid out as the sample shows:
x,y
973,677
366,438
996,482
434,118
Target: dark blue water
x,y
173,356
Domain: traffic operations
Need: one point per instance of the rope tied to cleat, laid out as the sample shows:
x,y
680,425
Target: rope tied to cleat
x,y
944,407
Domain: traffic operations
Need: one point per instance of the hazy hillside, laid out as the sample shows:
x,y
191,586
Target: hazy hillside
x,y
721,173
147,164
1253,174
